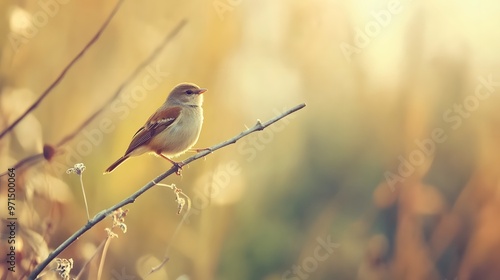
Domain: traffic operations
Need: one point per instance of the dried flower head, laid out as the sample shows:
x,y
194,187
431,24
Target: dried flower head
x,y
64,267
118,217
77,169
180,204
181,201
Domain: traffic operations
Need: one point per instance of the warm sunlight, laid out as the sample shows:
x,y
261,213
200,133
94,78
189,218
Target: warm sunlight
x,y
391,171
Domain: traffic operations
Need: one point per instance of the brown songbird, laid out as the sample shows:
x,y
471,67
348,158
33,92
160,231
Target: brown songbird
x,y
172,130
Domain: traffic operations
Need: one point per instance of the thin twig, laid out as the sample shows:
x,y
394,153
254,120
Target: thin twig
x,y
103,257
82,270
30,159
35,158
65,70
84,197
131,199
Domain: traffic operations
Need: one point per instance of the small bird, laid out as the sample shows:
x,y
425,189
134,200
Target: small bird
x,y
172,130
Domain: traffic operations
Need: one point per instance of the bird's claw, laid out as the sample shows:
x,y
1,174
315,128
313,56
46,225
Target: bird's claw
x,y
178,166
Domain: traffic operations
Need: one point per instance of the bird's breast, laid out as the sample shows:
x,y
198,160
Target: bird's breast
x,y
181,135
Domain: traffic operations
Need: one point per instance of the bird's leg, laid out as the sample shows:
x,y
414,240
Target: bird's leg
x,y
178,165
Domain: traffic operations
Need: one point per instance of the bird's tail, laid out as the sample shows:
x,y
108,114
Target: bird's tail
x,y
115,164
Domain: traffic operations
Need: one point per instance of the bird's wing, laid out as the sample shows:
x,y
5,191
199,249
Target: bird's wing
x,y
154,125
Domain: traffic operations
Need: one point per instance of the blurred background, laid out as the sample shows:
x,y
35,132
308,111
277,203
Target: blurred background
x,y
390,172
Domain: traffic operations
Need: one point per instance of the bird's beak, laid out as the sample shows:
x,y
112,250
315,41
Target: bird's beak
x,y
202,90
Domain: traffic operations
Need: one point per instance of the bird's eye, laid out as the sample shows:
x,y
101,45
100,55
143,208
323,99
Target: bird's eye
x,y
189,91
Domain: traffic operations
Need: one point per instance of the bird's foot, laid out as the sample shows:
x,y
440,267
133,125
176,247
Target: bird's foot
x,y
179,166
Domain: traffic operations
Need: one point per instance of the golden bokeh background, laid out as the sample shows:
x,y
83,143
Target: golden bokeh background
x,y
390,172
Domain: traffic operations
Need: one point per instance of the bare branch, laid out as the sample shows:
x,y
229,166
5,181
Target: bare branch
x,y
35,158
65,70
131,199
